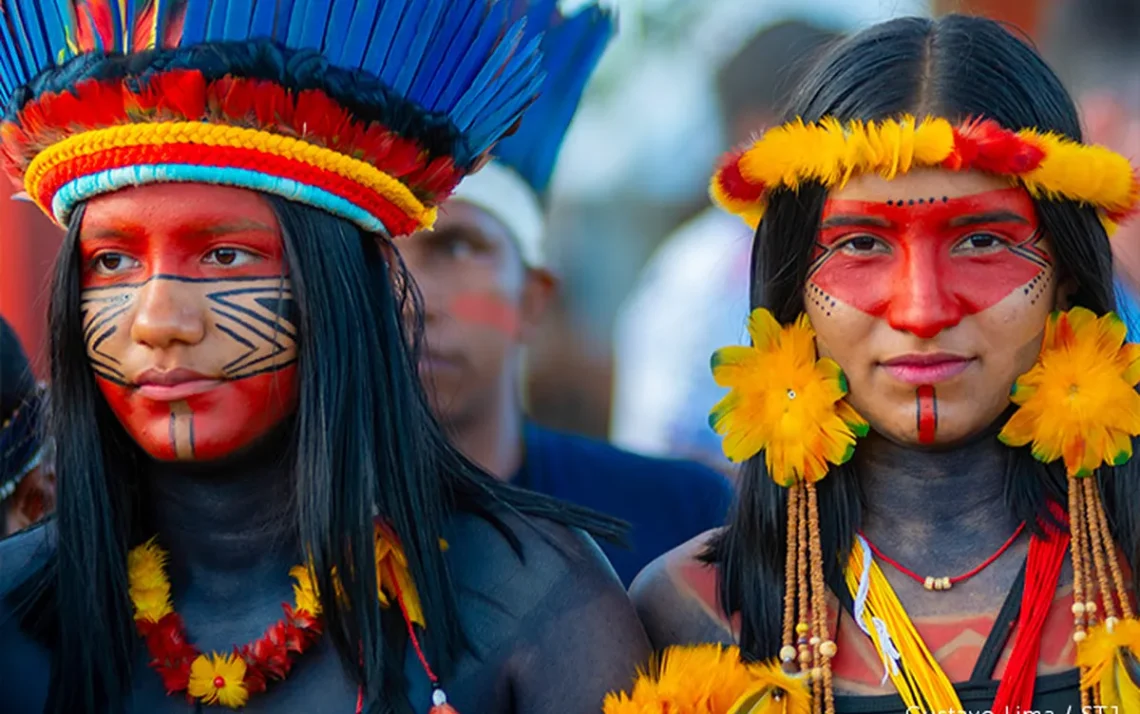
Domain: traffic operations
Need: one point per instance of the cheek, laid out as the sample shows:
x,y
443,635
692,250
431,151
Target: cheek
x,y
488,310
843,333
206,426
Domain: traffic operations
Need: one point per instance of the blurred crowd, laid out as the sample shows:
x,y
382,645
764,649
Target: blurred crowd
x,y
642,278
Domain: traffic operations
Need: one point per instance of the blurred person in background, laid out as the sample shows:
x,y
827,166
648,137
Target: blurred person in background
x,y
693,294
1095,46
486,289
27,484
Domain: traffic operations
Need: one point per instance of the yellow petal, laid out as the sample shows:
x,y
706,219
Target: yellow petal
x,y
763,329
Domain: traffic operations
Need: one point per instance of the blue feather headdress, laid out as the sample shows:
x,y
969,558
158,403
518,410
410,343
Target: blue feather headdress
x,y
371,111
515,185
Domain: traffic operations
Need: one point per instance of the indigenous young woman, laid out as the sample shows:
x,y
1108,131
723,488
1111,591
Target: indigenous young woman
x,y
256,509
936,407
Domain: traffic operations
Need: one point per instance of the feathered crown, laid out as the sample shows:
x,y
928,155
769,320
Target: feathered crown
x,y
371,111
830,152
514,185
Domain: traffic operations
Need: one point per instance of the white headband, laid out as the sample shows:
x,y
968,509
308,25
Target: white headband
x,y
501,192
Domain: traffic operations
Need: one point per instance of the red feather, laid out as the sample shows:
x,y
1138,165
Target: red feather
x,y
985,145
733,183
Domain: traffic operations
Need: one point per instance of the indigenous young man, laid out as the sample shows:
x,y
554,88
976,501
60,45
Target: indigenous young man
x,y
256,508
486,286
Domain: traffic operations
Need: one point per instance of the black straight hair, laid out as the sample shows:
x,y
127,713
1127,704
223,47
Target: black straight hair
x,y
956,67
365,445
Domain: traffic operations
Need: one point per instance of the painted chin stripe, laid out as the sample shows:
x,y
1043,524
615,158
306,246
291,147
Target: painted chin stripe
x,y
927,412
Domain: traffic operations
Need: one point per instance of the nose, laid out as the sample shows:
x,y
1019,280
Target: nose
x,y
167,313
923,302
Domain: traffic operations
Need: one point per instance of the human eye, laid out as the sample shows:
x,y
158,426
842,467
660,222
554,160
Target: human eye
x,y
229,257
980,243
864,244
110,263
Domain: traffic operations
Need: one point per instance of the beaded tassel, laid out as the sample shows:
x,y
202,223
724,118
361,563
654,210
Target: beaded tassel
x,y
807,647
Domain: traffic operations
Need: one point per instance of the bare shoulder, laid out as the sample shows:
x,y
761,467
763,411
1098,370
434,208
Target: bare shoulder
x,y
677,597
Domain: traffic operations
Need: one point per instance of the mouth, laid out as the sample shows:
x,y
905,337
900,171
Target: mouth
x,y
174,384
926,368
439,362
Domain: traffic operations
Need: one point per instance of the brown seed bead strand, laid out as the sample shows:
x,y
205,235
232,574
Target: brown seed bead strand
x,y
1077,553
1112,556
823,645
803,587
1098,548
790,566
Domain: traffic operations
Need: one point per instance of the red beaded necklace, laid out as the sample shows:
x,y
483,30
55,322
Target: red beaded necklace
x,y
940,584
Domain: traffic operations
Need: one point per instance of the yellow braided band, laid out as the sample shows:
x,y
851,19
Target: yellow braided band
x,y
355,172
830,153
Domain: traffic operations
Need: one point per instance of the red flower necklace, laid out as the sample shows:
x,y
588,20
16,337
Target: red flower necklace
x,y
229,679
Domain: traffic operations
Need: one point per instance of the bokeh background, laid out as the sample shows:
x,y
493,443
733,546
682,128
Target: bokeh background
x,y
635,165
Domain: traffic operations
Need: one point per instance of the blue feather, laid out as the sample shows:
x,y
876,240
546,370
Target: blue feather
x,y
238,19
340,19
420,49
261,24
128,25
482,88
524,63
20,73
307,26
163,10
449,61
405,53
116,26
216,20
571,50
284,18
462,78
195,22
29,34
359,32
384,31
57,18
428,69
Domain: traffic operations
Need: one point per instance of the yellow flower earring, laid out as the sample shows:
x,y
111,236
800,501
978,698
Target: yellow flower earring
x,y
784,401
1079,401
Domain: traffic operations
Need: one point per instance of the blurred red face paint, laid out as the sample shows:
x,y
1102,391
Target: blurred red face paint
x,y
188,317
487,310
923,264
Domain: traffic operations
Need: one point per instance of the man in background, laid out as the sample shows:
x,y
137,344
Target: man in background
x,y
693,295
27,484
485,288
1095,46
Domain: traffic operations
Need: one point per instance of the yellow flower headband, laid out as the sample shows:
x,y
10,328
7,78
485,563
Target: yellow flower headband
x,y
830,152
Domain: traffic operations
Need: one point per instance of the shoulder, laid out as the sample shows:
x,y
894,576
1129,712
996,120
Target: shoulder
x,y
23,553
25,662
519,558
602,461
676,597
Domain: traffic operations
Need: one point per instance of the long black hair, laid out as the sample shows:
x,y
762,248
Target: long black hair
x,y
365,443
955,67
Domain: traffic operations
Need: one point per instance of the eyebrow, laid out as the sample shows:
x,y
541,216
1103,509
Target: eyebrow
x,y
846,219
239,226
973,219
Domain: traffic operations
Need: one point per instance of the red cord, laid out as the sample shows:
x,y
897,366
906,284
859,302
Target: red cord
x,y
411,629
1042,571
954,580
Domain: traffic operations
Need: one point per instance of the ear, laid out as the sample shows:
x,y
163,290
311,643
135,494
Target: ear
x,y
33,499
1066,288
538,292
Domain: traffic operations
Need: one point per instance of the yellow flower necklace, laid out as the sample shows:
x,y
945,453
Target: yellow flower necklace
x,y
229,679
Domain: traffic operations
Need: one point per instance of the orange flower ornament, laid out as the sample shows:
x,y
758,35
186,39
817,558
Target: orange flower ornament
x,y
1079,401
784,401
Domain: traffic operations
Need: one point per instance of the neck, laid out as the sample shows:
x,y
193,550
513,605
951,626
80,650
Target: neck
x,y
227,517
914,500
492,436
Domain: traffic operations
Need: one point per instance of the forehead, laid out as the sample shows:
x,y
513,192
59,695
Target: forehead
x,y
920,183
158,208
460,215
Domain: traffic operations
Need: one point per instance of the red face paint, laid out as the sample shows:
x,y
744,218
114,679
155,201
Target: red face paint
x,y
927,414
188,318
923,264
487,310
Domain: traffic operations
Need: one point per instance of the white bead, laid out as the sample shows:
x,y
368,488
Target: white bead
x,y
438,698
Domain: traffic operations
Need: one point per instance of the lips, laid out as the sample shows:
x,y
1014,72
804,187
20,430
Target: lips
x,y
926,368
174,384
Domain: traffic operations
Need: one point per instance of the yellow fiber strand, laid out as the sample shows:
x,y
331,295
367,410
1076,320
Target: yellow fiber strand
x,y
920,681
